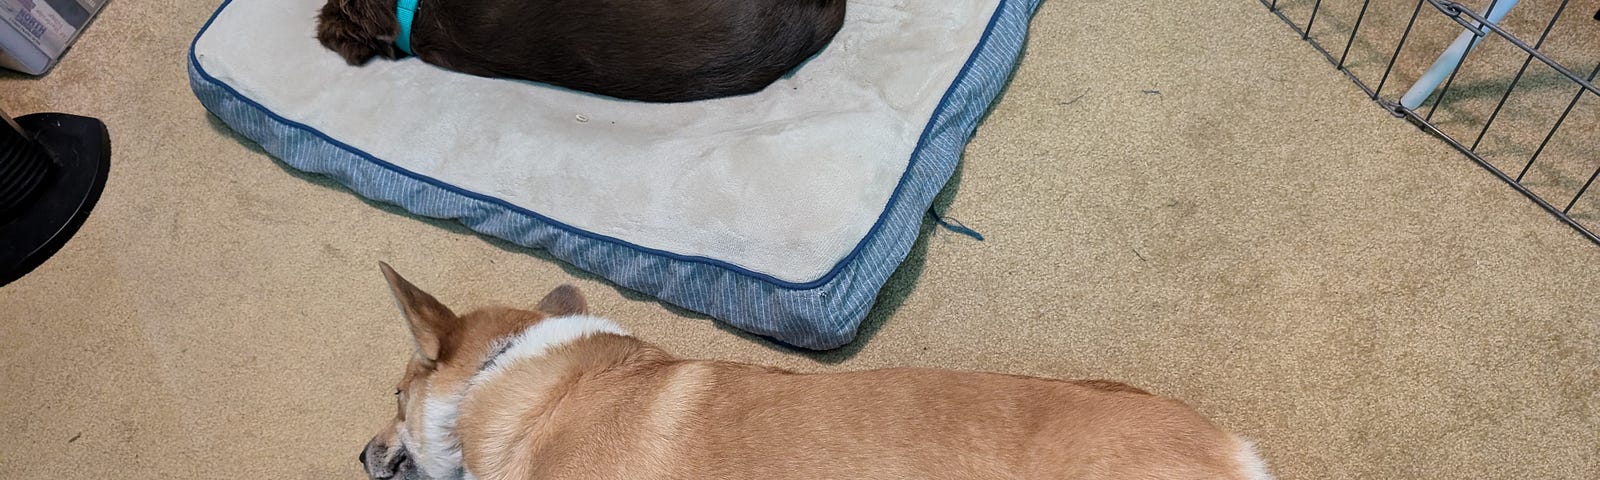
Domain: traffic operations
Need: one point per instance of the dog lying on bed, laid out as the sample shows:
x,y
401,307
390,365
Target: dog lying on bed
x,y
509,394
648,50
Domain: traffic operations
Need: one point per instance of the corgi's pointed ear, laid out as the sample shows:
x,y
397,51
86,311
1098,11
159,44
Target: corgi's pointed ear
x,y
430,321
563,301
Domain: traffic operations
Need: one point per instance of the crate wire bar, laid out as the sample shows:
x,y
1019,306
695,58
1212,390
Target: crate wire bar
x,y
1481,29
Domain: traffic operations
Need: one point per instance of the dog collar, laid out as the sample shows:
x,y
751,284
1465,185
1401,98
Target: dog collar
x,y
406,11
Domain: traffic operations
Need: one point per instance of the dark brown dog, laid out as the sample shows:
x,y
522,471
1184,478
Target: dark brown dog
x,y
648,50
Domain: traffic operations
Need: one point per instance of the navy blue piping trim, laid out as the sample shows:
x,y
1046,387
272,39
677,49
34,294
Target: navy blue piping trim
x,y
944,102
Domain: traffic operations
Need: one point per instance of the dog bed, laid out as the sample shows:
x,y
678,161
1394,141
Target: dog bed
x,y
781,213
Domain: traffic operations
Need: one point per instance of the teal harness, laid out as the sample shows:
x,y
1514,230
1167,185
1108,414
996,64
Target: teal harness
x,y
406,10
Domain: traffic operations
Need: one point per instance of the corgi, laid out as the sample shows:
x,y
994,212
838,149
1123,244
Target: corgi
x,y
557,393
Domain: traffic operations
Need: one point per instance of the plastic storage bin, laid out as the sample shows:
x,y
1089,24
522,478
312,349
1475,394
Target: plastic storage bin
x,y
35,33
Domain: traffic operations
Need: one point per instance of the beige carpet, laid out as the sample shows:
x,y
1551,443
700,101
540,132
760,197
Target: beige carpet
x,y
1257,238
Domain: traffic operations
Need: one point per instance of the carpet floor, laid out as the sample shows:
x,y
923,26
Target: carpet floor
x,y
1182,195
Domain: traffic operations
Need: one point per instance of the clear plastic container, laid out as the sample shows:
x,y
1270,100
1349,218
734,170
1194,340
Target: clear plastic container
x,y
34,34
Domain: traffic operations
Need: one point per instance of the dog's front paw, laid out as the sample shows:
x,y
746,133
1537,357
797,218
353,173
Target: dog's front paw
x,y
349,45
351,37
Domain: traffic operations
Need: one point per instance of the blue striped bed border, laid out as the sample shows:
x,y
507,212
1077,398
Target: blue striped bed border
x,y
818,315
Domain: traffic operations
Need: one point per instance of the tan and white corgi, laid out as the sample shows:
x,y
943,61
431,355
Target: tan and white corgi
x,y
554,393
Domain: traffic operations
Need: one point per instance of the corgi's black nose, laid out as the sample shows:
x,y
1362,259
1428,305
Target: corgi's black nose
x,y
363,457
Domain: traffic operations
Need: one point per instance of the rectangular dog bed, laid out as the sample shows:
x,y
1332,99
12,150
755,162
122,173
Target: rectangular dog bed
x,y
781,213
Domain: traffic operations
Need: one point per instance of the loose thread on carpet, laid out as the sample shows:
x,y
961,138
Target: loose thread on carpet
x,y
953,225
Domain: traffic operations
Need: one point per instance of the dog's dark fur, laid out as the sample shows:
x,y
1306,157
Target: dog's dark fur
x,y
648,50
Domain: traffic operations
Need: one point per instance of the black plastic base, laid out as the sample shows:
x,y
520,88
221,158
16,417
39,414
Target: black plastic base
x,y
81,148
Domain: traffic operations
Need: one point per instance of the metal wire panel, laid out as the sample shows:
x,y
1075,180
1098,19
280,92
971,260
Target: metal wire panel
x,y
1519,110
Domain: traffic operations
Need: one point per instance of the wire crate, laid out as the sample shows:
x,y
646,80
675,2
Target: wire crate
x,y
1528,112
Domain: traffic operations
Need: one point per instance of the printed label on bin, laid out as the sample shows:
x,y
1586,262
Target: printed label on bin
x,y
40,23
